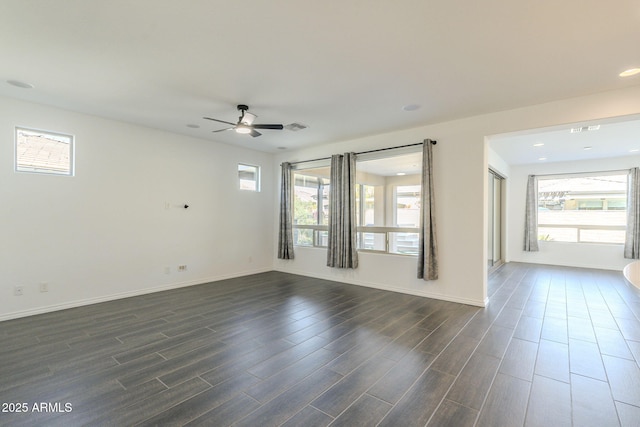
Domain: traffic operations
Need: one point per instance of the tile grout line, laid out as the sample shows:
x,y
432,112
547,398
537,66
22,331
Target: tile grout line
x,y
486,396
438,355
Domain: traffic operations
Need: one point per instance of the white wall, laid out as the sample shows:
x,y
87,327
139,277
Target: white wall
x,y
460,163
589,255
457,230
497,163
105,232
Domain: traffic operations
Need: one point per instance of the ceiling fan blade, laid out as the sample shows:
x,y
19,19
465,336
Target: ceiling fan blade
x,y
221,130
221,121
274,127
255,133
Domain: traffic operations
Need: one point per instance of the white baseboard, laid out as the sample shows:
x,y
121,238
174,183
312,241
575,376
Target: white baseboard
x,y
591,266
121,295
426,294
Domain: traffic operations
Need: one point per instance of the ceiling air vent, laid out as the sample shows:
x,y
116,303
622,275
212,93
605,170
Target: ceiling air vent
x,y
296,126
585,129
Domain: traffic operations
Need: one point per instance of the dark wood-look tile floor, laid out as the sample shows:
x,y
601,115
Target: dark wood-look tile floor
x,y
556,346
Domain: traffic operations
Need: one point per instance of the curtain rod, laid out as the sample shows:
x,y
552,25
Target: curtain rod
x,y
365,152
581,173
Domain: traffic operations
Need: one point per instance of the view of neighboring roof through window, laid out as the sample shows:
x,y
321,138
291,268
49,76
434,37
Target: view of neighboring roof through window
x,y
43,152
583,208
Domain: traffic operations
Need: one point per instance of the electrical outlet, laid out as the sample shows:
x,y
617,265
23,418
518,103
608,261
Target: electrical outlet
x,y
44,287
182,268
18,291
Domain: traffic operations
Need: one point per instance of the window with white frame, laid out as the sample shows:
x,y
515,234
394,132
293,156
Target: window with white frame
x,y
583,208
388,195
311,206
387,202
43,152
249,177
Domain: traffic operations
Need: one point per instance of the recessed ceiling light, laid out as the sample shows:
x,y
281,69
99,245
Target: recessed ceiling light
x,y
192,126
18,83
411,107
401,174
587,148
630,72
634,150
538,144
542,158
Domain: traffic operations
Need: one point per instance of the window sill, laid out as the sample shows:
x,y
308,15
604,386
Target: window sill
x,y
360,251
544,242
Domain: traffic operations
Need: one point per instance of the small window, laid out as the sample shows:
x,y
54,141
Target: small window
x,y
44,152
249,177
408,205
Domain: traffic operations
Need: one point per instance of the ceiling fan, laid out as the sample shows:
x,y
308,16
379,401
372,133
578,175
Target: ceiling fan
x,y
245,123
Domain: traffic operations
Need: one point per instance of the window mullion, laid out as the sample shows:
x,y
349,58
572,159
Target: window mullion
x,y
386,242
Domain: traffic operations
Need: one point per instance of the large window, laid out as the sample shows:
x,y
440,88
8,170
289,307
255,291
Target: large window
x,y
582,208
388,198
43,152
311,207
387,203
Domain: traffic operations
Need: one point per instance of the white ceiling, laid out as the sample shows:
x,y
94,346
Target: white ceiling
x,y
344,68
614,138
407,164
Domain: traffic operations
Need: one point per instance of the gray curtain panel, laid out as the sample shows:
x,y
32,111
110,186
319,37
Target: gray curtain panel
x,y
342,251
285,235
428,248
531,216
632,237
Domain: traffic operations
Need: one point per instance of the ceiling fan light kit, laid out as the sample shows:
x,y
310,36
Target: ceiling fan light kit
x,y
242,128
245,123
